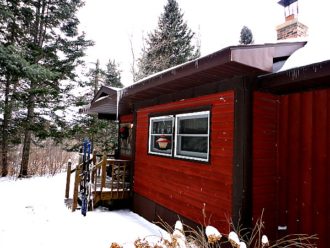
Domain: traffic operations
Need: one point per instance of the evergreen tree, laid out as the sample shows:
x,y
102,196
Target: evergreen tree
x,y
10,65
169,45
112,75
9,60
46,34
97,76
102,133
92,84
246,36
14,66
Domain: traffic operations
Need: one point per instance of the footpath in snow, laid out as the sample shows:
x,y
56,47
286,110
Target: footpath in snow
x,y
33,215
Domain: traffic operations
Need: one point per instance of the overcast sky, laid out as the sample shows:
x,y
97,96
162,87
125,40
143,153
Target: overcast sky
x,y
112,24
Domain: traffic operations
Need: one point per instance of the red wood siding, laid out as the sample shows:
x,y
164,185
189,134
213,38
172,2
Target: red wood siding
x,y
304,163
265,116
184,186
126,118
291,162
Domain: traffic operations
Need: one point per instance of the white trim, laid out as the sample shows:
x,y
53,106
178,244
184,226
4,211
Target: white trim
x,y
159,118
185,116
193,158
207,112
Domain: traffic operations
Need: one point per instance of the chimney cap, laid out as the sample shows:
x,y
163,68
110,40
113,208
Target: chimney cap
x,y
286,3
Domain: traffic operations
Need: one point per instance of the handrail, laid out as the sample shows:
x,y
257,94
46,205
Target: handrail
x,y
99,172
68,177
69,171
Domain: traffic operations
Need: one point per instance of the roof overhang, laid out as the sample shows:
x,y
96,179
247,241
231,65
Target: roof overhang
x,y
302,78
104,102
230,62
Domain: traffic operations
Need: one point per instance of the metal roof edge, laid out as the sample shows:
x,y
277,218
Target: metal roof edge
x,y
106,90
226,52
294,75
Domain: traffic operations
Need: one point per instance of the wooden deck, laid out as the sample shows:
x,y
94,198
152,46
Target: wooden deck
x,y
109,180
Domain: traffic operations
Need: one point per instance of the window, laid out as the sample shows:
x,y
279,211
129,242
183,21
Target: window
x,y
192,136
160,135
190,139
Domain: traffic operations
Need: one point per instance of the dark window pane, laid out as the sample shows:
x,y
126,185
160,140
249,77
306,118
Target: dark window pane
x,y
194,144
193,126
162,127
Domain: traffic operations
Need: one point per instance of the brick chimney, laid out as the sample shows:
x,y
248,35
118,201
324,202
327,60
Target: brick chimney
x,y
291,28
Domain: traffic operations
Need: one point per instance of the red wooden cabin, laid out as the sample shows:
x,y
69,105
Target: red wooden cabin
x,y
239,139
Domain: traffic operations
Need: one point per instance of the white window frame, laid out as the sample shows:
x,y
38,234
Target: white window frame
x,y
151,134
187,154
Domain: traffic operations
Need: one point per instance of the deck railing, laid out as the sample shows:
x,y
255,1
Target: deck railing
x,y
109,180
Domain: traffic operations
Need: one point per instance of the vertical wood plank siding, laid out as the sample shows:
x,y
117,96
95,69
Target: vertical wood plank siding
x,y
304,163
183,186
291,162
301,198
265,116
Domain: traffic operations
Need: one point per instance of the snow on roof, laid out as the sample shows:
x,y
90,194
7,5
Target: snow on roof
x,y
241,58
99,99
316,50
112,88
312,53
210,54
154,75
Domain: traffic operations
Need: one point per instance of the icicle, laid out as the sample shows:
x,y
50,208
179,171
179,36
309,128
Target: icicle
x,y
294,73
196,64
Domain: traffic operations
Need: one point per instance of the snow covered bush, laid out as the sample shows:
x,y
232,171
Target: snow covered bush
x,y
183,236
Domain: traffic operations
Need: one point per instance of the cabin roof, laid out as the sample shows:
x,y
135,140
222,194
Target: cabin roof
x,y
104,102
230,62
302,78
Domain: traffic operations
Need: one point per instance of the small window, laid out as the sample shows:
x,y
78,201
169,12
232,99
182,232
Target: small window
x,y
160,135
192,136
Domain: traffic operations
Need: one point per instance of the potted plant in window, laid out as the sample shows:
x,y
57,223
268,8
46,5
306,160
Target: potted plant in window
x,y
162,142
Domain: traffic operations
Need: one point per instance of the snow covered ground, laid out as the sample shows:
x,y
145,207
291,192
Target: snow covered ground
x,y
33,214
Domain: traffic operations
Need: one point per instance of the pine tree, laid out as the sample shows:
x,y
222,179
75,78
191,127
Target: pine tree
x,y
169,44
13,67
246,36
112,75
102,133
97,76
8,67
46,34
93,82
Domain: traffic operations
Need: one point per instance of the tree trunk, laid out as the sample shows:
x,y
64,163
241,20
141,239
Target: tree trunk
x,y
8,104
26,153
27,138
4,153
5,126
